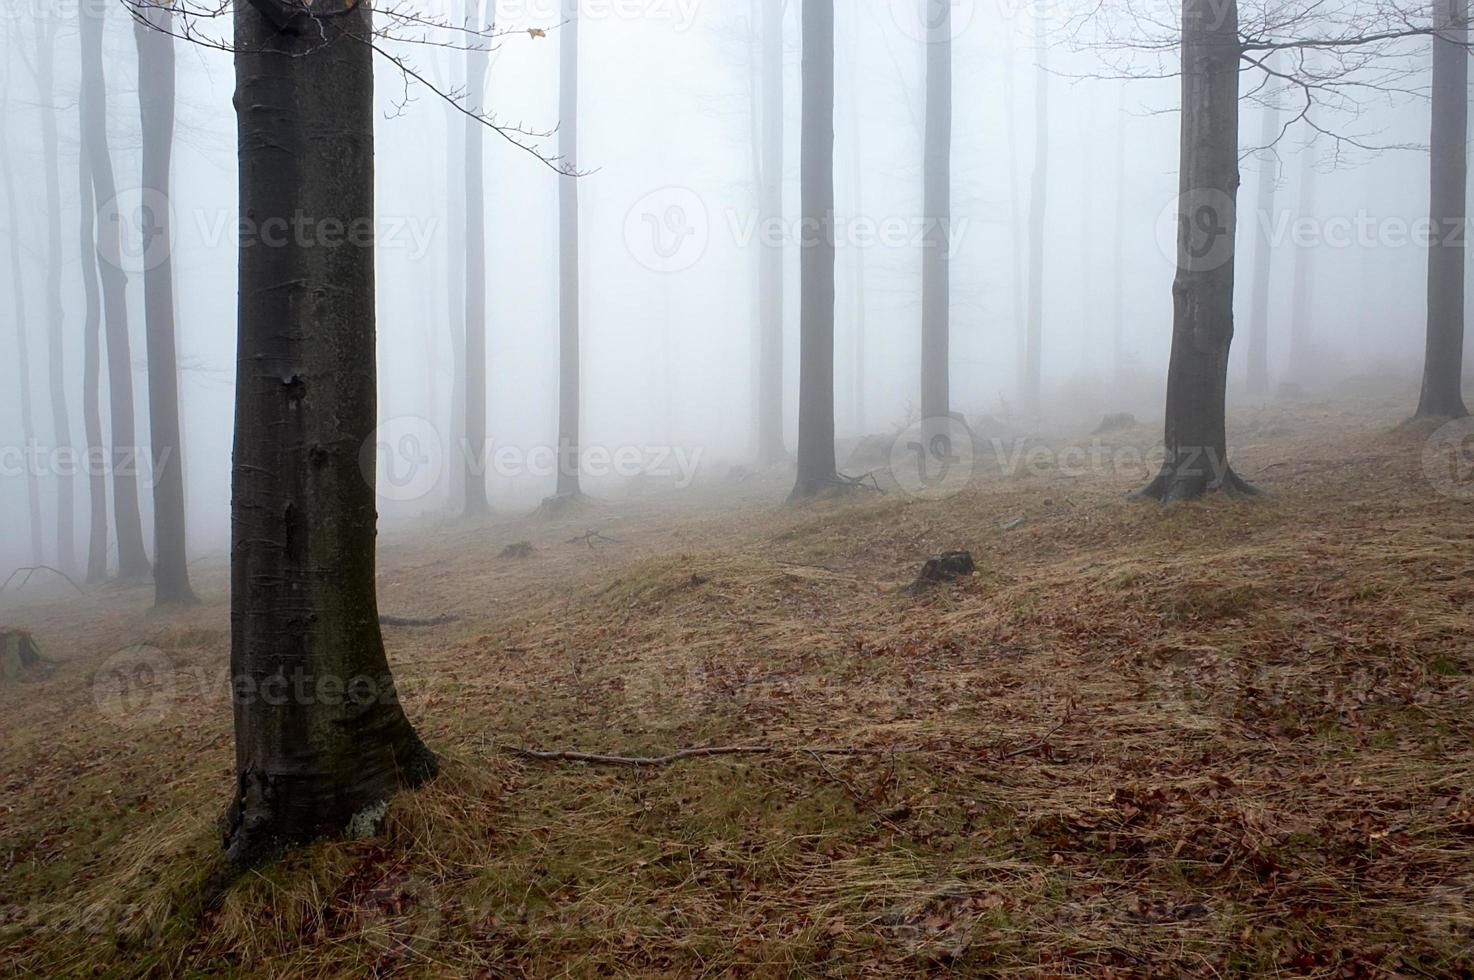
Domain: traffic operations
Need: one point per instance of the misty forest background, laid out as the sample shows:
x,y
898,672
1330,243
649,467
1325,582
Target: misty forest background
x,y
669,109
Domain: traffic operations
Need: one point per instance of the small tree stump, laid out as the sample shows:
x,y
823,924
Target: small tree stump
x,y
18,654
560,505
519,549
947,568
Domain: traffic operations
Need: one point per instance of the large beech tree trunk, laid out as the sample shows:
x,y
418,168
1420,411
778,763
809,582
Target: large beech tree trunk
x,y
817,472
61,423
1202,326
770,262
321,739
568,272
1443,368
477,57
936,284
156,109
123,462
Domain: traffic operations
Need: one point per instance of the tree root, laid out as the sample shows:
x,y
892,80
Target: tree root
x,y
1173,486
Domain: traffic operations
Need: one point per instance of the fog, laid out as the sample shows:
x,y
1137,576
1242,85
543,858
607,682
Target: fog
x,y
670,240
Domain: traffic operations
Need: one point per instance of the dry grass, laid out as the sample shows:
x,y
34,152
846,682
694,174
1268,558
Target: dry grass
x,y
1205,740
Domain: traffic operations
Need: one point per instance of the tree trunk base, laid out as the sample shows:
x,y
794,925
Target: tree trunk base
x,y
1179,482
269,815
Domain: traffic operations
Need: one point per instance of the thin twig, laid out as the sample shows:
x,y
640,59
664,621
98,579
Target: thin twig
x,y
31,570
700,753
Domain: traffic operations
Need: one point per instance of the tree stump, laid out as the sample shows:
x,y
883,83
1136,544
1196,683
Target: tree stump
x,y
1118,422
947,568
520,549
18,654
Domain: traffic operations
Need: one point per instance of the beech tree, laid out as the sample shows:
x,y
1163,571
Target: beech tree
x,y
770,262
1215,49
817,472
1442,395
321,738
568,271
122,460
1038,216
43,70
1268,189
153,35
97,535
477,61
936,291
22,343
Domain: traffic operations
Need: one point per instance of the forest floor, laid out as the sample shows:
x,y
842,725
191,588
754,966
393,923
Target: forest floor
x,y
1219,738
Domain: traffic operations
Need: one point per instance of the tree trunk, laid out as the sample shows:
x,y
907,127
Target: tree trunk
x,y
568,278
22,347
1302,300
97,536
816,464
123,461
1202,325
156,108
321,739
1118,329
936,284
1038,215
770,263
857,168
1015,227
1443,368
477,58
1269,178
455,287
61,423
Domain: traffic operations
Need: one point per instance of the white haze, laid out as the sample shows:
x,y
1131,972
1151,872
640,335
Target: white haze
x,y
668,357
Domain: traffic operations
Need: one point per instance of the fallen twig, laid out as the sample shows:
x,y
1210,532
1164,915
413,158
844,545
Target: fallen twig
x,y
590,537
31,570
1041,743
701,753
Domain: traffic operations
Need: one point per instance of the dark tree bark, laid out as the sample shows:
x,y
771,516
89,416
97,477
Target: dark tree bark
x,y
123,462
771,447
568,271
1202,327
477,58
156,110
61,422
1269,178
1443,368
22,346
936,283
817,472
97,536
321,739
1038,216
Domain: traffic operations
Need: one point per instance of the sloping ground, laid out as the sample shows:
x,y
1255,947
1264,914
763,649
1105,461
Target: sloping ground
x,y
1209,739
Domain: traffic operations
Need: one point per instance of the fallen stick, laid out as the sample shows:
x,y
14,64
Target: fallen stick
x,y
703,753
31,570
